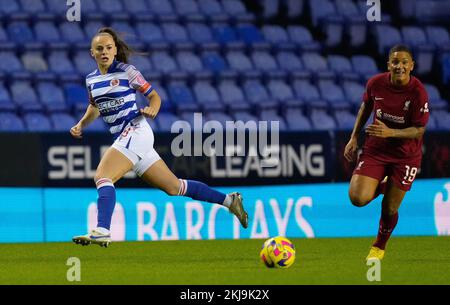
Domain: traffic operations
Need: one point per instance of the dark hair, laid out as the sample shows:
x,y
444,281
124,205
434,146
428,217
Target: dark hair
x,y
400,48
123,50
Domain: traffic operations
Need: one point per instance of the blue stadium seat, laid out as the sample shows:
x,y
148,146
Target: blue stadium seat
x,y
239,62
182,97
334,95
177,36
52,97
59,62
303,39
439,37
443,119
34,62
296,120
91,28
36,122
10,63
165,120
318,66
165,64
278,37
137,7
386,36
57,7
5,100
84,63
345,120
342,66
33,6
355,22
290,62
232,96
72,32
237,11
20,32
143,64
46,31
267,65
227,37
216,64
208,97
9,7
436,101
152,35
76,97
188,11
213,11
252,37
306,91
62,121
321,120
190,63
354,93
11,122
163,10
110,7
202,36
432,12
25,97
365,66
280,91
258,96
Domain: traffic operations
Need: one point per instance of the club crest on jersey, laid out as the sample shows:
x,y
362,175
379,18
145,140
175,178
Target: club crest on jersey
x,y
406,108
114,82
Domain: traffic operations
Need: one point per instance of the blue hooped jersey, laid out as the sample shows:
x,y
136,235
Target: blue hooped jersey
x,y
114,94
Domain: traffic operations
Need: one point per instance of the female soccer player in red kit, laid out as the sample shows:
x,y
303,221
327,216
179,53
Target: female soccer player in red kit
x,y
393,144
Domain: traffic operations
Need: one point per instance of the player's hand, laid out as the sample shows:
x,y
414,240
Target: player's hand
x,y
149,112
76,131
350,149
379,129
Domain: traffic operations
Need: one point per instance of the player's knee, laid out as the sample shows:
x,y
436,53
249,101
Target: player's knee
x,y
358,199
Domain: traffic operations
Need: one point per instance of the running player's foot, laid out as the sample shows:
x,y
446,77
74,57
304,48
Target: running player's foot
x,y
375,253
93,237
237,209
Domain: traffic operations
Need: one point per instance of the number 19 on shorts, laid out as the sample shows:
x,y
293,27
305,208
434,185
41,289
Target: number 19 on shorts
x,y
410,174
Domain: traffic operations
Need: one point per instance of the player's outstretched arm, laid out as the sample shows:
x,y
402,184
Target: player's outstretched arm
x,y
361,119
90,115
154,103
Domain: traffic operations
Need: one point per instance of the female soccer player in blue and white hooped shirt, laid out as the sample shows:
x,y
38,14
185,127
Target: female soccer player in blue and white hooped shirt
x,y
111,90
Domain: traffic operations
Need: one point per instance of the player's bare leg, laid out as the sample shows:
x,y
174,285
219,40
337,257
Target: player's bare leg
x,y
160,176
112,167
362,190
388,220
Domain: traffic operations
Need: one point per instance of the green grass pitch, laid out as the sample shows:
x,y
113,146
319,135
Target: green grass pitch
x,y
408,260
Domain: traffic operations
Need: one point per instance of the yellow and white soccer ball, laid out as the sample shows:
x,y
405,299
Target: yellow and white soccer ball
x,y
278,252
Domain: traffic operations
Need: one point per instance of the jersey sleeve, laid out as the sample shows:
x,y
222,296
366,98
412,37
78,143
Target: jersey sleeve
x,y
138,82
90,98
367,96
420,112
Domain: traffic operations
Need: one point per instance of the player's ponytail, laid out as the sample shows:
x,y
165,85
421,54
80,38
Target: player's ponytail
x,y
123,50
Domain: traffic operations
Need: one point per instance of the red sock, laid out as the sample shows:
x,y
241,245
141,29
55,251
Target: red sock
x,y
387,225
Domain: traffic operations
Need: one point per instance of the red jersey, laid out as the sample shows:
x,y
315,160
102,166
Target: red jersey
x,y
398,107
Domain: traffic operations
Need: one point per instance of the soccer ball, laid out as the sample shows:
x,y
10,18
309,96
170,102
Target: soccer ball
x,y
278,252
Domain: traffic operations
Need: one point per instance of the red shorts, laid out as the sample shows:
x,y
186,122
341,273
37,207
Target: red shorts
x,y
401,173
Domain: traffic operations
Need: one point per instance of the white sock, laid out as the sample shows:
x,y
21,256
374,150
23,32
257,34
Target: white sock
x,y
228,200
